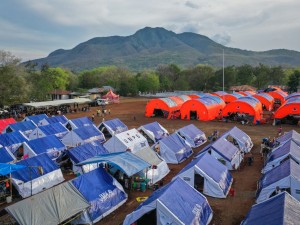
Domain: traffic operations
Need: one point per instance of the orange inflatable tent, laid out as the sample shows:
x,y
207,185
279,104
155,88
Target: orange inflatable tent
x,y
278,94
231,97
266,100
290,107
5,122
245,105
201,109
293,95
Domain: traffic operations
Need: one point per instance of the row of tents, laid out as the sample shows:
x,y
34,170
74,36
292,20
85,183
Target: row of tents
x,y
210,106
278,196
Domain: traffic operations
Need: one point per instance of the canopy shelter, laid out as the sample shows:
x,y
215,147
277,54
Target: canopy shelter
x,y
285,177
204,109
193,135
6,156
6,169
58,102
278,95
83,152
290,107
104,193
215,180
25,127
48,144
49,207
239,138
112,127
245,105
12,141
32,180
282,209
293,95
231,97
127,162
173,149
266,100
35,118
54,119
111,97
163,107
153,131
224,151
292,134
130,140
289,149
175,203
5,122
82,136
56,129
159,168
79,122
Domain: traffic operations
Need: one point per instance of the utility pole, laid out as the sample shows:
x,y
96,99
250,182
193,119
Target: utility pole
x,y
223,69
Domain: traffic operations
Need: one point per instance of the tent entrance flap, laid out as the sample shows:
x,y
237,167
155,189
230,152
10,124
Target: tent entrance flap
x,y
158,113
193,115
147,219
198,182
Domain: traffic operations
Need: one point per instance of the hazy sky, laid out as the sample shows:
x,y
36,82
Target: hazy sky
x,y
33,28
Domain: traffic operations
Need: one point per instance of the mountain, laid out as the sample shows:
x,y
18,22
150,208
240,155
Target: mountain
x,y
149,47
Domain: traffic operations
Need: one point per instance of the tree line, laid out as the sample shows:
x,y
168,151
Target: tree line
x,y
28,82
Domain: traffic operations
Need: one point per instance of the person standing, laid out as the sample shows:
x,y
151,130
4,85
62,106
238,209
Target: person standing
x,y
93,117
280,130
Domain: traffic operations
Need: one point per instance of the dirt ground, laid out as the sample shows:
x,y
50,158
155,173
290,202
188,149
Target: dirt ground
x,y
229,211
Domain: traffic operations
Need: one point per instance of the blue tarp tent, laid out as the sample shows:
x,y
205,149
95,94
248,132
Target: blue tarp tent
x,y
6,156
83,135
154,131
242,140
54,119
282,209
175,203
30,180
124,161
217,179
6,169
285,176
194,136
112,127
79,122
103,193
225,151
56,129
36,118
173,149
289,149
49,144
12,141
25,127
289,135
84,152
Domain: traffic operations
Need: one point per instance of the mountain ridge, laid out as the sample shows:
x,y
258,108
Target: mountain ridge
x,y
149,47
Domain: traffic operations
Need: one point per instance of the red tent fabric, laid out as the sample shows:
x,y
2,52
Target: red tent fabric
x,y
5,122
111,97
290,107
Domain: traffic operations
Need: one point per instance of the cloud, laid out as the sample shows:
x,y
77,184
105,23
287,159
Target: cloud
x,y
191,5
222,38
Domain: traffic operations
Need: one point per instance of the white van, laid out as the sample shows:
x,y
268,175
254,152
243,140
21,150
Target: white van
x,y
102,101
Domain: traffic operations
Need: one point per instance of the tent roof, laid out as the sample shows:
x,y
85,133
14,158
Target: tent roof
x,y
237,133
278,210
11,138
125,161
250,100
116,125
36,118
53,128
266,96
293,95
111,94
191,130
6,169
23,126
82,121
174,142
29,173
180,199
289,147
292,134
49,207
225,148
158,130
5,122
293,100
216,98
220,93
87,132
287,168
86,151
184,97
148,155
5,156
56,119
58,102
41,145
170,103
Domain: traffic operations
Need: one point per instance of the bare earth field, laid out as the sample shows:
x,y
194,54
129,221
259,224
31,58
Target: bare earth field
x,y
229,211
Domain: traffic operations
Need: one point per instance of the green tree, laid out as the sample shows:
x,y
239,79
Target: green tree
x,y
147,81
294,81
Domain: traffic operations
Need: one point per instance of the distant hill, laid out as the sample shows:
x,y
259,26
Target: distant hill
x,y
149,47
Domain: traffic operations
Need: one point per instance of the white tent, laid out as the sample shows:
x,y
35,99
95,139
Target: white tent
x,y
216,181
130,140
159,168
193,136
154,131
56,129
